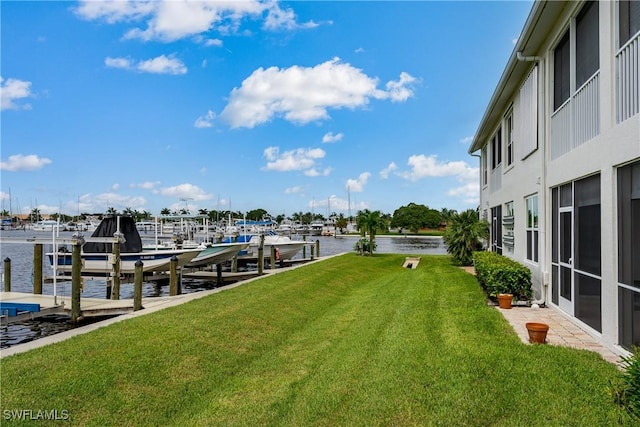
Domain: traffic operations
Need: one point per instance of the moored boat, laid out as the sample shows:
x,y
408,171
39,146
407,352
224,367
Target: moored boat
x,y
97,257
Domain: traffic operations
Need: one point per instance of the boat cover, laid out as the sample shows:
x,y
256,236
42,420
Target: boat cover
x,y
108,227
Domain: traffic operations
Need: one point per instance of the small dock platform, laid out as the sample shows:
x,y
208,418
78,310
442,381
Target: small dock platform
x,y
226,276
89,307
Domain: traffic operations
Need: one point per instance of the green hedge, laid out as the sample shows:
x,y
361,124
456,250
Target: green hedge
x,y
498,274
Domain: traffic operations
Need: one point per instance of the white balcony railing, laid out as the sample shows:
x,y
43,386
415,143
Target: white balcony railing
x,y
577,120
628,80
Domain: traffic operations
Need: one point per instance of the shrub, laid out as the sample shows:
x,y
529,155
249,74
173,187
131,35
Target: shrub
x,y
464,234
627,394
498,274
365,246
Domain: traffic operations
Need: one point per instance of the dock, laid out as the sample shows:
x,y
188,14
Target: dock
x,y
90,307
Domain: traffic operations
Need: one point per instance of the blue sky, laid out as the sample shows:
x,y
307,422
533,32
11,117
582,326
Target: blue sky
x,y
284,106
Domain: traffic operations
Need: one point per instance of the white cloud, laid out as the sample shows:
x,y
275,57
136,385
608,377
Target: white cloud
x,y
12,90
401,90
329,137
205,121
299,159
20,162
101,202
284,19
428,166
305,94
293,190
314,172
466,140
359,50
384,173
147,185
170,20
470,192
357,185
158,65
115,187
213,42
185,191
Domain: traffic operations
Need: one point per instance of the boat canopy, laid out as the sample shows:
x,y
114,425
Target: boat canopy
x,y
108,227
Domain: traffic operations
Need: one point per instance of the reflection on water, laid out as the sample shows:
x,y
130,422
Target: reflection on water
x,y
21,256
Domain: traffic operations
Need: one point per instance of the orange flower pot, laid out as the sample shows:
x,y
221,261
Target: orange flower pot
x,y
537,332
504,300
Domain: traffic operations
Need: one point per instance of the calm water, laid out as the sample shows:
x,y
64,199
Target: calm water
x,y
21,255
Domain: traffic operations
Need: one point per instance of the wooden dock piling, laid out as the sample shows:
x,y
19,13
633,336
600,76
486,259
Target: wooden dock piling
x,y
137,286
37,268
173,276
7,274
76,280
115,291
261,255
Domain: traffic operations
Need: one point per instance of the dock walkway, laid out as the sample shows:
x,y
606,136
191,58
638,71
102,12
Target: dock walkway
x,y
90,307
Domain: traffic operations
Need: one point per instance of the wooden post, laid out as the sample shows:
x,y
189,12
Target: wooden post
x,y
317,247
173,276
234,264
261,255
7,274
115,292
76,281
312,248
137,286
37,268
272,258
219,274
304,247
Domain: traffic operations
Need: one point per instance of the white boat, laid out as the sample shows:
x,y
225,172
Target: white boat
x,y
315,228
102,263
45,225
217,254
285,247
97,258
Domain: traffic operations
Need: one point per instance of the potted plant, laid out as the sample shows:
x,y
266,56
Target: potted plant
x,y
503,278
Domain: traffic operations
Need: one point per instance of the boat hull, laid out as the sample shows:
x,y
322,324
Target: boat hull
x,y
217,254
103,262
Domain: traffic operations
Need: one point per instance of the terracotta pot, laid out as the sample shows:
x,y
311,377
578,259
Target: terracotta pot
x,y
504,300
537,332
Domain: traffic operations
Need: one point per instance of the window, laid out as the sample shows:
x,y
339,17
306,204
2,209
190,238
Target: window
x,y
527,119
587,42
508,240
496,149
629,254
587,56
561,76
628,19
629,225
484,166
509,138
532,228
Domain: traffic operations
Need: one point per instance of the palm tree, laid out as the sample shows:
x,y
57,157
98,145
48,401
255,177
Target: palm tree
x,y
369,222
464,235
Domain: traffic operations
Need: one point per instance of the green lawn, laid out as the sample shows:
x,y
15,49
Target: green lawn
x,y
347,341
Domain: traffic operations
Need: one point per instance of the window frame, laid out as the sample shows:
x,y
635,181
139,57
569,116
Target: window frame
x,y
532,225
508,123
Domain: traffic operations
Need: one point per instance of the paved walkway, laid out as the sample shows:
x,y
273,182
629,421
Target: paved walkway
x,y
562,331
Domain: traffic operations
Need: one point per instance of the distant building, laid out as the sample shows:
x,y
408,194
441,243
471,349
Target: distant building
x,y
559,149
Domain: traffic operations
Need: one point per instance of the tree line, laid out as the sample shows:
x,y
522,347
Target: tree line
x,y
410,218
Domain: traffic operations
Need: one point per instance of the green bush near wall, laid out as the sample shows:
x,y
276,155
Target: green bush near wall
x,y
498,274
